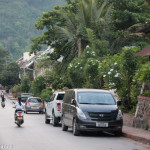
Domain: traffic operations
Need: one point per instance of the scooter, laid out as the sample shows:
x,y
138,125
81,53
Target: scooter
x,y
3,104
19,117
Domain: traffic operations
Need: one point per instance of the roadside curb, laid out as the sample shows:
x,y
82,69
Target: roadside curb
x,y
137,138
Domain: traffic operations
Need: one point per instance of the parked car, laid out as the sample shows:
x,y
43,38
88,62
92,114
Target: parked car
x,y
34,104
91,110
24,97
53,108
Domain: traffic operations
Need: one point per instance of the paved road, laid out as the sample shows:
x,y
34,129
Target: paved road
x,y
36,135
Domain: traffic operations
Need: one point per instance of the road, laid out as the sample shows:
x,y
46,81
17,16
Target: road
x,y
36,135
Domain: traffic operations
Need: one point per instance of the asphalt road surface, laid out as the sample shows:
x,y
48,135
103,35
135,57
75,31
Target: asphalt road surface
x,y
34,134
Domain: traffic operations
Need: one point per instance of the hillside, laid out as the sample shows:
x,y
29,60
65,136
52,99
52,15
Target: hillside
x,y
17,19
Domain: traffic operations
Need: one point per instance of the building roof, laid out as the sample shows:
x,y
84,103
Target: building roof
x,y
144,52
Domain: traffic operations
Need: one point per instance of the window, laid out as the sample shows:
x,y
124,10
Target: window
x,y
100,98
35,100
60,96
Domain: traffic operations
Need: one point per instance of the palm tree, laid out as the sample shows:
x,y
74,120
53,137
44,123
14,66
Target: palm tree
x,y
88,15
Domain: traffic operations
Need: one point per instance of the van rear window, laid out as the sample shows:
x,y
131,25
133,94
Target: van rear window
x,y
60,96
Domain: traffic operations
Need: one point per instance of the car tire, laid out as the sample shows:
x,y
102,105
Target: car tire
x,y
64,127
47,121
76,132
54,120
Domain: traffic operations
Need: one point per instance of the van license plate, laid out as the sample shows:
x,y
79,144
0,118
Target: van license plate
x,y
101,124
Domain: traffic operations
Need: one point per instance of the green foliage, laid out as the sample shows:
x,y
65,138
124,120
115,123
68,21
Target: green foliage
x,y
17,24
16,90
46,93
91,73
25,84
10,75
75,73
38,85
143,74
4,58
118,72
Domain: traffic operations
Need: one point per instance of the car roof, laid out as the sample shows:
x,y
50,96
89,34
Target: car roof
x,y
61,92
90,90
34,97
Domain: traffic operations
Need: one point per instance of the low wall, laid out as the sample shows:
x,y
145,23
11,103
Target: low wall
x,y
142,117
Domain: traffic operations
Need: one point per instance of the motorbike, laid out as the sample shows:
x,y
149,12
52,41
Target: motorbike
x,y
19,117
3,104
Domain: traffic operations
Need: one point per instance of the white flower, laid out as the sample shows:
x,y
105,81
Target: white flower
x,y
117,75
87,46
109,72
75,66
80,67
87,51
78,63
111,69
115,63
70,65
104,76
60,59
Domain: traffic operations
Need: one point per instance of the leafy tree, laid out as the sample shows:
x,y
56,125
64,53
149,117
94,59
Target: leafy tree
x,y
17,24
10,75
38,85
118,73
46,93
25,84
4,58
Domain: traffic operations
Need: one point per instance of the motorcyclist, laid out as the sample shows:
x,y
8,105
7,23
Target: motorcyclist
x,y
3,98
18,106
2,94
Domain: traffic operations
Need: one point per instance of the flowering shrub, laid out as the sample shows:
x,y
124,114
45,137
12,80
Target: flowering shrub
x,y
118,72
75,72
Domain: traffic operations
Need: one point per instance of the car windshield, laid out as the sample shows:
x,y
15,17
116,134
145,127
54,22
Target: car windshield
x,y
100,98
35,100
60,96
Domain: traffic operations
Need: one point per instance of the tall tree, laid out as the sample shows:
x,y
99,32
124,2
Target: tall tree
x,y
10,75
4,58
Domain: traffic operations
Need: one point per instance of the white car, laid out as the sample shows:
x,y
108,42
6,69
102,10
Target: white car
x,y
53,108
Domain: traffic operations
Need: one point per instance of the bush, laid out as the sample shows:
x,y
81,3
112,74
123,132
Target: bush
x,y
46,93
37,86
25,84
16,90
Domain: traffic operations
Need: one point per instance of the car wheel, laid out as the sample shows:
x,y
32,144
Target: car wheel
x,y
64,127
47,121
54,120
76,132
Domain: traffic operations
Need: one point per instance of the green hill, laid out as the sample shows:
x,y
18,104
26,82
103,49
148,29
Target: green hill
x,y
17,18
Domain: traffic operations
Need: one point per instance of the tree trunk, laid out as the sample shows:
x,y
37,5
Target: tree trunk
x,y
79,46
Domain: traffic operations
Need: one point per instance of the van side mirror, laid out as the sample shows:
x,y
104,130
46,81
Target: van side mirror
x,y
119,103
73,102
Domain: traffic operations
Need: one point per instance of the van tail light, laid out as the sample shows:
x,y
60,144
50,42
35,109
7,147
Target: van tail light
x,y
58,106
28,103
41,104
